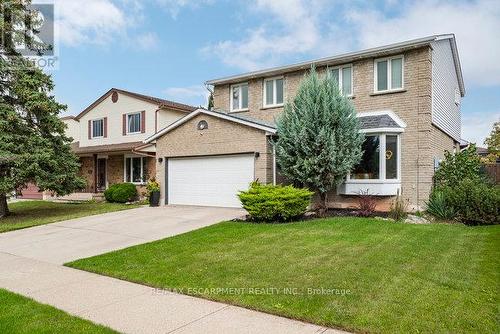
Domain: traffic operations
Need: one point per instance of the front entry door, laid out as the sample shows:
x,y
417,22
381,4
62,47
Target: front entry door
x,y
101,174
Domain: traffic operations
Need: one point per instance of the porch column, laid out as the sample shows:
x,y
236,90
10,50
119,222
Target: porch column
x,y
95,173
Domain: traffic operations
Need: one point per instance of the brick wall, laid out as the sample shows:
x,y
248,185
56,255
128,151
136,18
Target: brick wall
x,y
420,142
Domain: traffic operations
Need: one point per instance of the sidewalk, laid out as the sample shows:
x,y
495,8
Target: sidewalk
x,y
134,308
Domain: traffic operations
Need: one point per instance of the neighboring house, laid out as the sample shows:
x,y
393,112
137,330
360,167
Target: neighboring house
x,y
108,138
407,96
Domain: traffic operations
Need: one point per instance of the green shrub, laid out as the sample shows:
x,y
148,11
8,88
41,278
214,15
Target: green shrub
x,y
270,203
459,166
121,193
108,193
439,206
152,186
475,203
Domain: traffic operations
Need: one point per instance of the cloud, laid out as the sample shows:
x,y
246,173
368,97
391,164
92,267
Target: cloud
x,y
323,28
476,25
195,95
175,6
477,126
92,21
147,41
292,28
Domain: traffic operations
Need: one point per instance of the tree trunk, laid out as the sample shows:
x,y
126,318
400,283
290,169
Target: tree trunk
x,y
4,208
322,205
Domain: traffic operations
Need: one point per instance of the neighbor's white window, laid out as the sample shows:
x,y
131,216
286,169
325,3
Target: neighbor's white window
x,y
134,123
343,76
135,169
389,73
273,92
97,128
380,160
239,97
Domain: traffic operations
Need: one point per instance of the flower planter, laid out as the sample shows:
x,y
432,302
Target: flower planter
x,y
154,198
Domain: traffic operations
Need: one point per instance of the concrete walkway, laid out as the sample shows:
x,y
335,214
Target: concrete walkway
x,y
30,264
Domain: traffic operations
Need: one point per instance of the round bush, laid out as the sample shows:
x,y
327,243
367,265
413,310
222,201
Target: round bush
x,y
124,192
121,193
108,193
269,203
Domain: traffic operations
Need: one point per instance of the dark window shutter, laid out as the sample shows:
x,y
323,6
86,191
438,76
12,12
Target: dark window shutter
x,y
105,126
124,124
143,121
90,129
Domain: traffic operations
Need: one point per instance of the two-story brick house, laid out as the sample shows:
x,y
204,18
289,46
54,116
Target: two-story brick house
x,y
108,138
407,96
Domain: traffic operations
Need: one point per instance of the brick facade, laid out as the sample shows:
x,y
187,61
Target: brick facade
x,y
115,171
420,143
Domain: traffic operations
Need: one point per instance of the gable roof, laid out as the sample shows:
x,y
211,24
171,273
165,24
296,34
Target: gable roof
x,y
257,124
162,103
349,57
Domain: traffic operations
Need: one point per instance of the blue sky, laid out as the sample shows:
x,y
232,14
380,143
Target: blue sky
x,y
168,48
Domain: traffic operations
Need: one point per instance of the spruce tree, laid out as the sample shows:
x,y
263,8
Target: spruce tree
x,y
318,136
33,145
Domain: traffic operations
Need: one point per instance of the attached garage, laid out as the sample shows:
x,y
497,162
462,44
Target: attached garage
x,y
210,180
207,157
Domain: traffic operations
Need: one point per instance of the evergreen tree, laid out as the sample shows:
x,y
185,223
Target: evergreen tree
x,y
33,145
210,101
318,136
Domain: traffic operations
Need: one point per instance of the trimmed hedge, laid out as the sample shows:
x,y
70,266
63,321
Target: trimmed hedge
x,y
121,193
270,203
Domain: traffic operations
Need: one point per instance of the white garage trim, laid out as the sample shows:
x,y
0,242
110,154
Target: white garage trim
x,y
212,180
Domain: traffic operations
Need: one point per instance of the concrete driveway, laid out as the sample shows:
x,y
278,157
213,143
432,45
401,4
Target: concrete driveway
x,y
74,239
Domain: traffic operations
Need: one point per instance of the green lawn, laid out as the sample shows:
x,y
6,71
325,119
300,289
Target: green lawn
x,y
400,277
31,213
19,314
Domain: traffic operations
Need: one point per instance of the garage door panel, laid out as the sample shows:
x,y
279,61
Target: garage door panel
x,y
210,181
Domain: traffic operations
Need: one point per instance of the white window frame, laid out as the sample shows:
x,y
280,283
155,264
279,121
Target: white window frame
x,y
125,157
382,171
241,100
264,93
340,67
95,120
389,74
140,122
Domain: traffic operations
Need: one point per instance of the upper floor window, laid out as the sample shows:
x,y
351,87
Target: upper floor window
x,y
343,76
273,92
98,128
389,74
134,123
239,97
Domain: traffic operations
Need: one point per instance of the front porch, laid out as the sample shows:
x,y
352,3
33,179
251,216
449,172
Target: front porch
x,y
102,166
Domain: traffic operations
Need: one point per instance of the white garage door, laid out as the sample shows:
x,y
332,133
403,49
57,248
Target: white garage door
x,y
209,181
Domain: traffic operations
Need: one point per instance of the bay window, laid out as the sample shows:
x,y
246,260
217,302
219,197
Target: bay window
x,y
380,160
388,74
343,77
135,170
273,92
239,97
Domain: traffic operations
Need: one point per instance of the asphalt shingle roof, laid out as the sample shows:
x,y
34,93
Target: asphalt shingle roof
x,y
377,121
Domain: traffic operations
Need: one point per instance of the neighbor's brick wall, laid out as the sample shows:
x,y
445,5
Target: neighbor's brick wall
x,y
413,106
87,172
221,137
